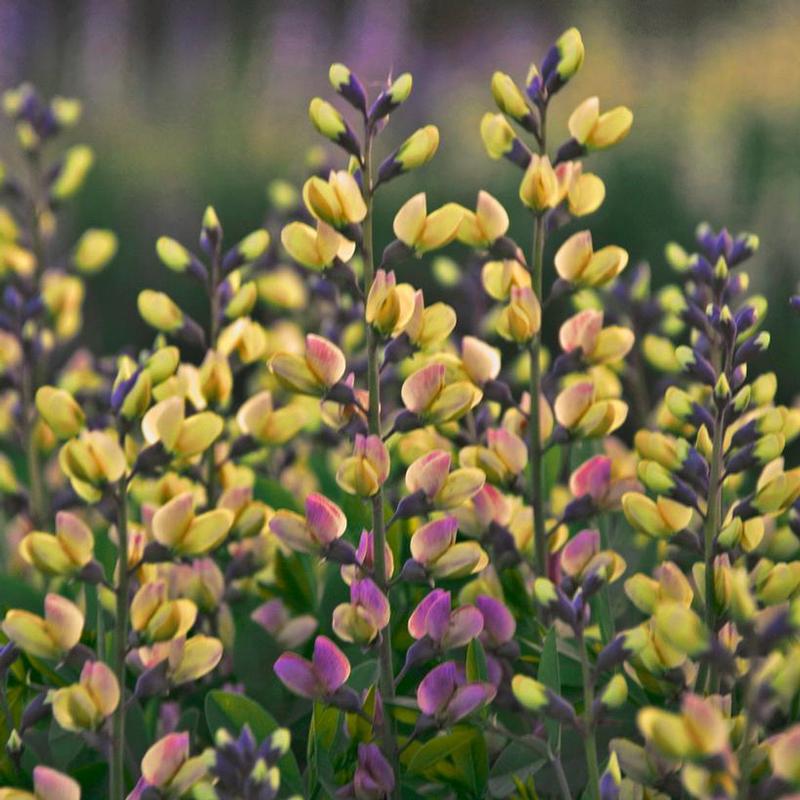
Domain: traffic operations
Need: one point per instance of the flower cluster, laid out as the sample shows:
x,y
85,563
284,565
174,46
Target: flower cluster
x,y
388,547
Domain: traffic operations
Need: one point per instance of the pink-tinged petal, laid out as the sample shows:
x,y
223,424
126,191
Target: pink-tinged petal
x,y
499,625
465,624
164,758
330,664
271,616
48,784
293,531
581,331
578,551
101,683
433,539
481,361
468,698
365,554
573,402
491,505
377,454
298,676
436,689
417,621
325,519
325,359
593,477
64,621
429,473
367,594
437,620
422,387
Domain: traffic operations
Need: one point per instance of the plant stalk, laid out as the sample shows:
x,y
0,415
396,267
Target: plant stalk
x,y
117,770
534,428
385,667
589,737
213,333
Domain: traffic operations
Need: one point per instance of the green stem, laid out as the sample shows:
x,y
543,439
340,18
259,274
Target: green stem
x,y
37,500
535,387
534,428
117,771
213,333
385,666
711,528
589,738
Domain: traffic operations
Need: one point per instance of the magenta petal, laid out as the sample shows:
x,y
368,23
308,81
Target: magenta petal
x,y
374,776
467,698
437,622
366,594
436,688
298,676
330,664
592,477
498,623
433,539
579,550
417,626
325,519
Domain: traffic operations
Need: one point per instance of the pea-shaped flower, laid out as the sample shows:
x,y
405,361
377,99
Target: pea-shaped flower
x,y
51,637
314,373
91,461
577,262
390,305
316,679
446,697
668,585
596,131
434,548
330,123
500,277
503,458
365,616
444,490
363,473
60,411
66,552
291,632
429,326
540,189
598,345
48,784
595,479
784,755
415,151
484,226
578,410
168,769
521,319
422,232
166,424
699,731
500,141
324,523
316,247
582,557
83,706
157,617
373,778
337,200
445,627
185,659
426,394
267,425
659,517
176,527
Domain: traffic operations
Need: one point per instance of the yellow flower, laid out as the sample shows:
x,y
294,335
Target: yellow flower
x,y
596,131
421,231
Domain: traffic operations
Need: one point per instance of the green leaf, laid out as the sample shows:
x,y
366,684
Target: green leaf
x,y
439,747
516,760
472,761
477,669
232,711
550,675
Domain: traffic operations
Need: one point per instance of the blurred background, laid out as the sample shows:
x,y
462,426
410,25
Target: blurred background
x,y
190,102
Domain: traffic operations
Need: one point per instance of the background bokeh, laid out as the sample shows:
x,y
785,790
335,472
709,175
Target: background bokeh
x,y
190,102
